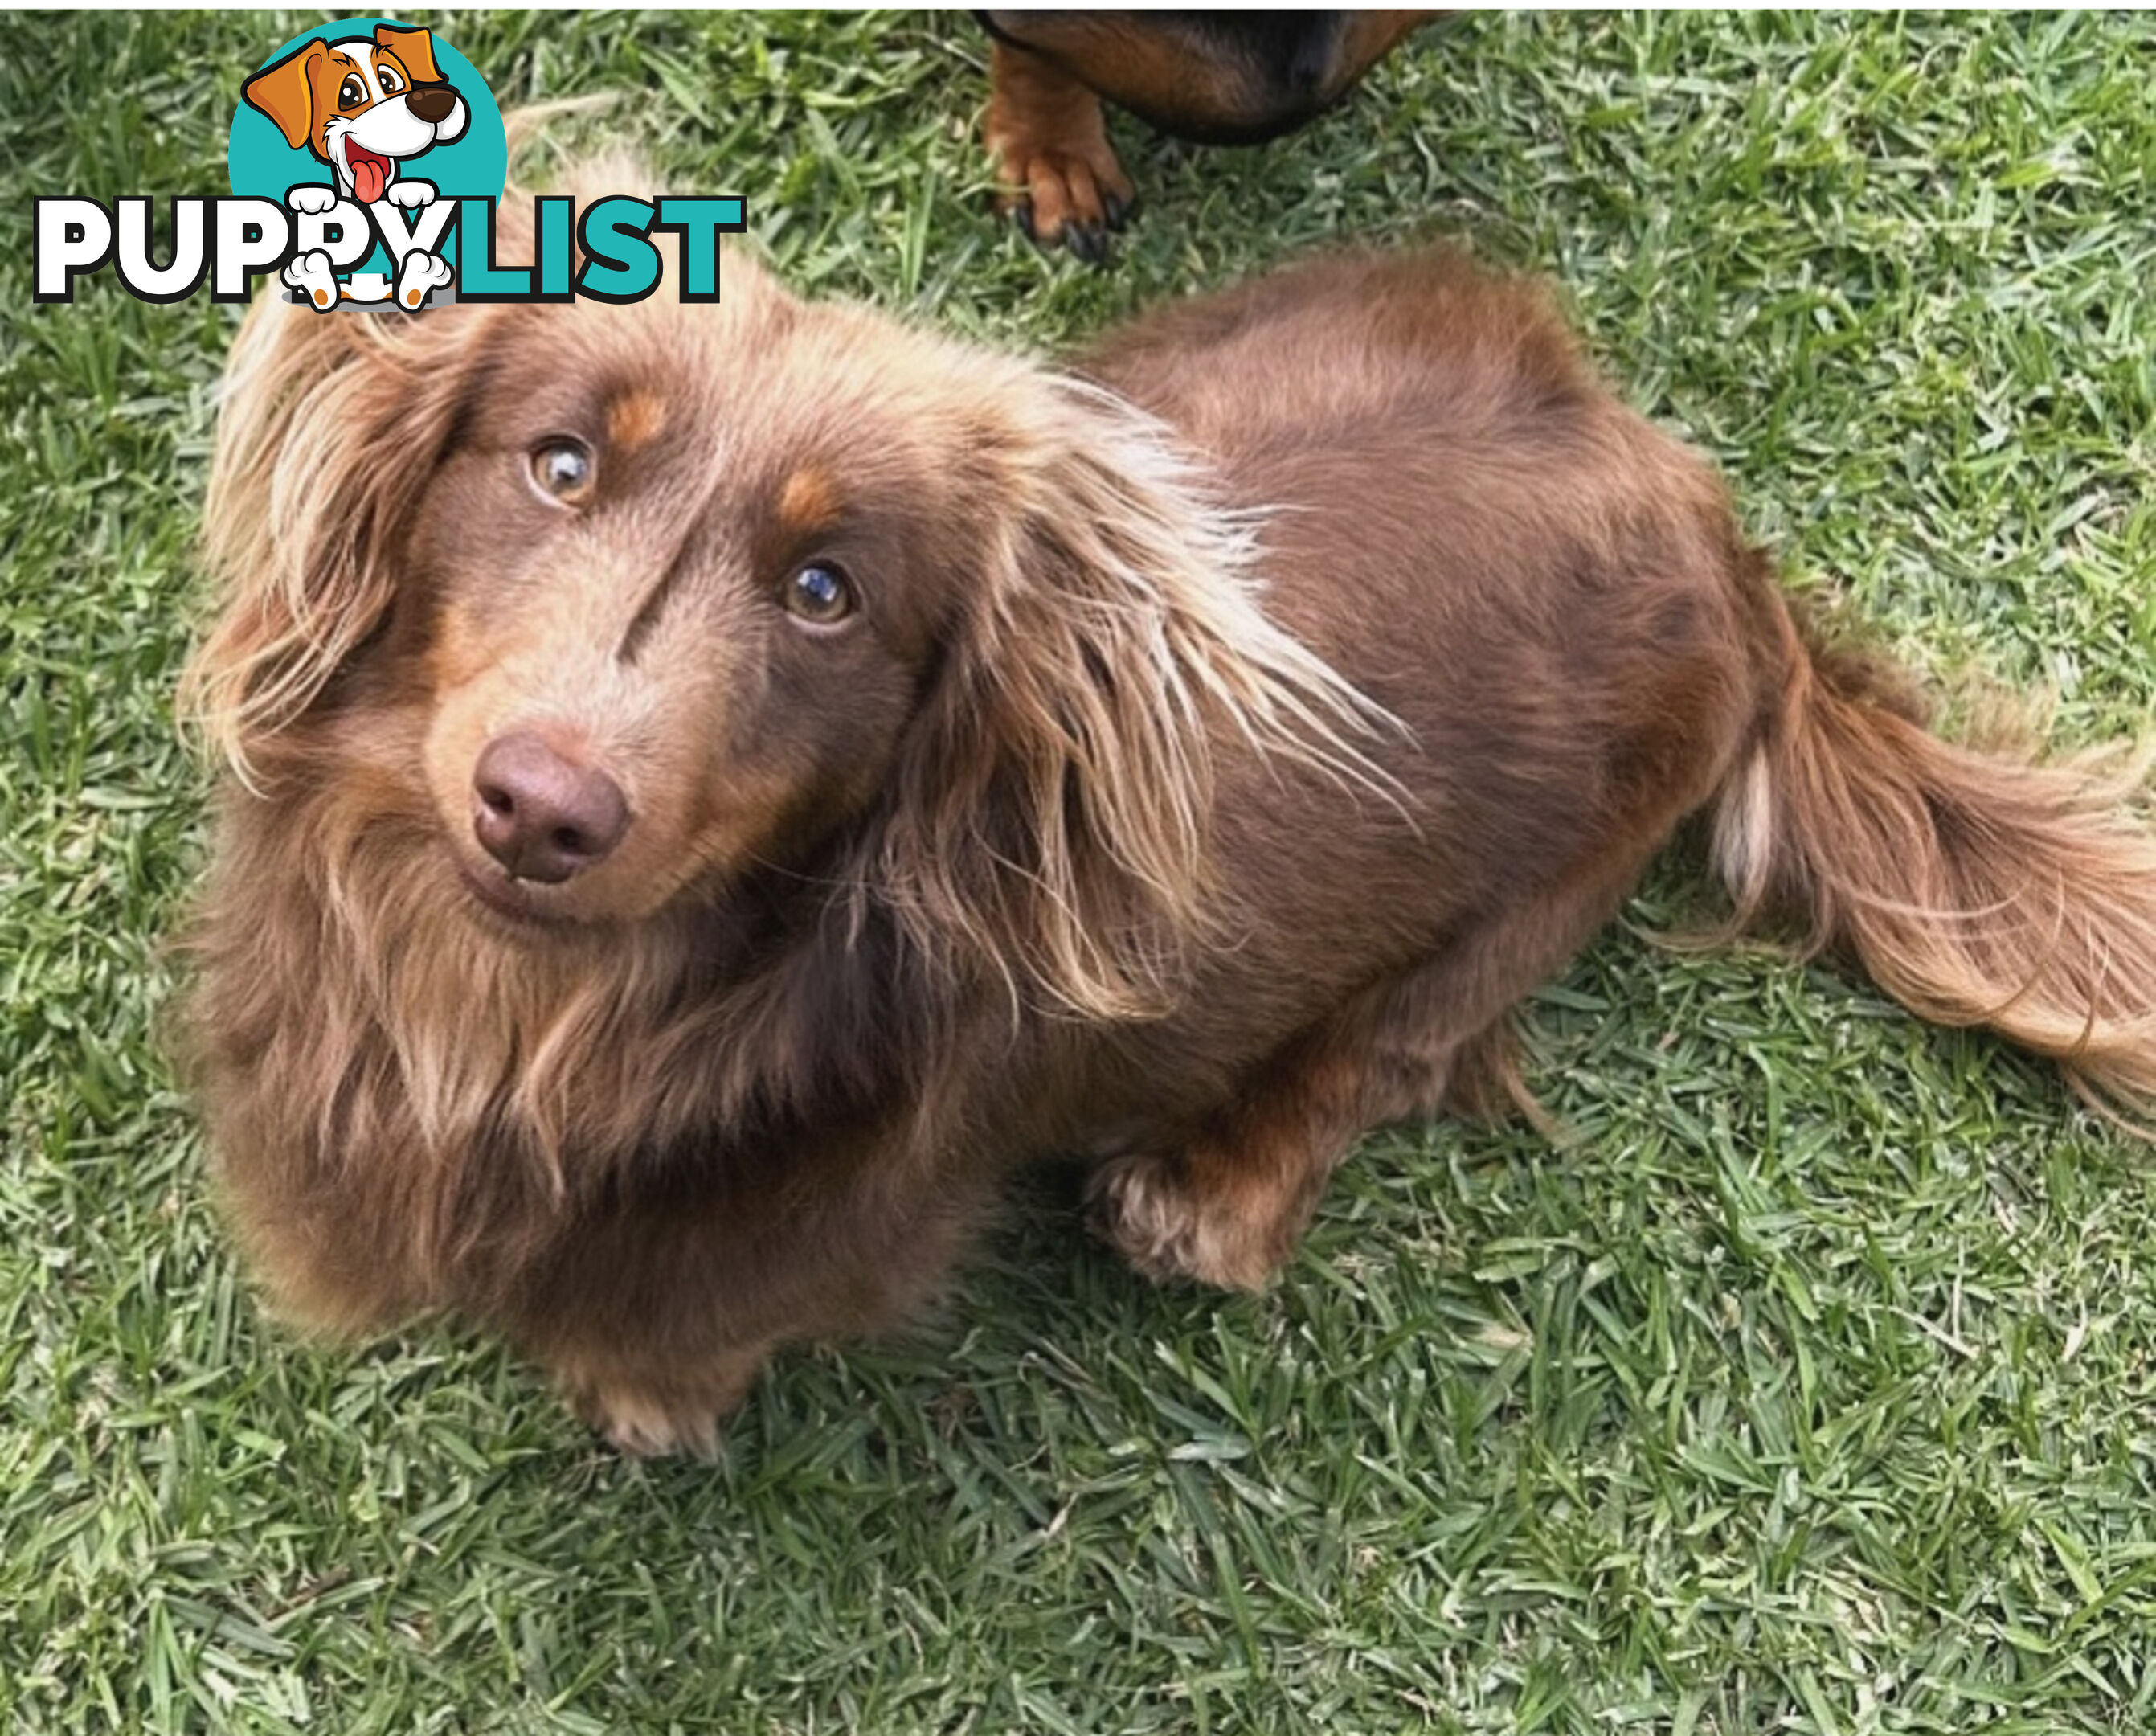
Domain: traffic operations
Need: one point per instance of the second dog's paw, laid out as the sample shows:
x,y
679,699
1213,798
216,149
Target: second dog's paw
x,y
310,275
419,276
412,194
1074,196
1143,1205
1060,178
311,200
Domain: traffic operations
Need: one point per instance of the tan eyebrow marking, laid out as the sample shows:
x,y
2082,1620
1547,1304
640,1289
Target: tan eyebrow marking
x,y
809,499
634,418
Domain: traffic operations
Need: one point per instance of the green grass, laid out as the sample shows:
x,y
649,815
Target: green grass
x,y
1812,1388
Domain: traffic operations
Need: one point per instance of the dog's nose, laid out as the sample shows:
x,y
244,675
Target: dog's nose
x,y
543,817
431,103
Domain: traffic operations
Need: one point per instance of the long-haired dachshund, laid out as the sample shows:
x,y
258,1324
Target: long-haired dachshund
x,y
712,788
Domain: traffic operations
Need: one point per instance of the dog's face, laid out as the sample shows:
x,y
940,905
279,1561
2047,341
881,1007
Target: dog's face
x,y
673,596
361,104
547,620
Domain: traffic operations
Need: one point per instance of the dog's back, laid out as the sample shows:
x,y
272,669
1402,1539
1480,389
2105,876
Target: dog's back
x,y
1555,598
1548,592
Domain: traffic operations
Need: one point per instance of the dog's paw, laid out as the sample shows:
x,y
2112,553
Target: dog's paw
x,y
310,275
1060,179
1074,196
412,194
653,1418
311,200
642,1425
1143,1205
418,277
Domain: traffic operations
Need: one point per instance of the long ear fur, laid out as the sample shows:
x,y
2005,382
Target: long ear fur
x,y
329,428
1052,813
328,431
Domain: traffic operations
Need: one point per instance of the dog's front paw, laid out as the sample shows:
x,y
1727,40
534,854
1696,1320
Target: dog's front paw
x,y
643,1425
651,1418
1147,1207
1061,180
310,275
412,194
418,277
1074,199
311,200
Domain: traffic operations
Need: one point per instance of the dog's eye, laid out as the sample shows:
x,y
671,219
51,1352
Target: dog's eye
x,y
563,472
350,94
386,76
819,595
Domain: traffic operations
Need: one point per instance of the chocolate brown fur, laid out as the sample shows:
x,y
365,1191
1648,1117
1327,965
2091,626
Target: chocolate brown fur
x,y
1069,840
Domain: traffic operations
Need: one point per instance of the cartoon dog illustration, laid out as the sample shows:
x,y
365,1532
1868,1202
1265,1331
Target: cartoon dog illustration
x,y
364,104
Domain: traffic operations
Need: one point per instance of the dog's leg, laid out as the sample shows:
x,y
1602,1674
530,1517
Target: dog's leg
x,y
1046,132
1228,1207
655,1321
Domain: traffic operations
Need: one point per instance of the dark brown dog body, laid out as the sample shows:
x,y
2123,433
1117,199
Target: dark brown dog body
x,y
1051,841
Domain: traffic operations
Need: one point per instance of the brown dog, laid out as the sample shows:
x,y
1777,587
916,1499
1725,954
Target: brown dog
x,y
715,787
1216,78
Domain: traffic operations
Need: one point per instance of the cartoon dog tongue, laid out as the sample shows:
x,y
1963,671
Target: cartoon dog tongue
x,y
370,173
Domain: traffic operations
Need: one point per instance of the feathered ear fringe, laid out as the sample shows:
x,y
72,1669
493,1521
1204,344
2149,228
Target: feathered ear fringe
x,y
327,436
1052,816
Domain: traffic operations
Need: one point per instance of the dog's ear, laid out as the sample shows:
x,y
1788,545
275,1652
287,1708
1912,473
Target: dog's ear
x,y
414,47
1049,814
286,93
329,429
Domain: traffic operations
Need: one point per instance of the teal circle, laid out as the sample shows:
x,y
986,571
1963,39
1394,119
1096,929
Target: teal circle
x,y
474,166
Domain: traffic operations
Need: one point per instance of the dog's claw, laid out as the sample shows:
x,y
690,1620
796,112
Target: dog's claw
x,y
1087,241
1022,215
1118,211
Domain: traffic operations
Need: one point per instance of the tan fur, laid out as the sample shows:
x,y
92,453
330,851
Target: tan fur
x,y
312,475
808,502
635,418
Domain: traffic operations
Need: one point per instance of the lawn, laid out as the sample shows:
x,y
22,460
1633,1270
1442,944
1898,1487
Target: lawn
x,y
1810,1387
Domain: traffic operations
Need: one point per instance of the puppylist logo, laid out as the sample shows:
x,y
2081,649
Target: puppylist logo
x,y
353,122
366,158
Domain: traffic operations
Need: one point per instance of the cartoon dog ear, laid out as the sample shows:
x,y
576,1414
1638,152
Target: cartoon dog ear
x,y
284,91
1048,818
414,47
327,436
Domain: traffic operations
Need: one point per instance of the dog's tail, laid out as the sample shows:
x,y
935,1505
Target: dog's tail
x,y
1976,889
